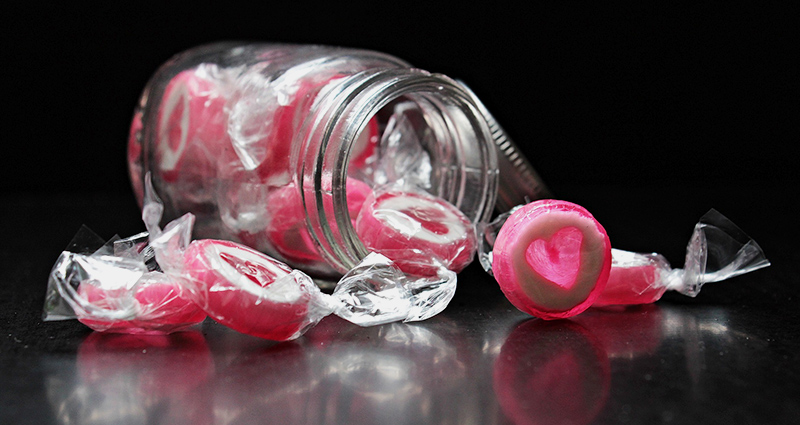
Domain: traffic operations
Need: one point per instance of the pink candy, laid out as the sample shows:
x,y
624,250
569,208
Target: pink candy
x,y
192,127
418,231
552,259
159,304
288,232
248,291
640,280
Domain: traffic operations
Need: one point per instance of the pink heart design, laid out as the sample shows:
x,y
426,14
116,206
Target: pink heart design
x,y
559,258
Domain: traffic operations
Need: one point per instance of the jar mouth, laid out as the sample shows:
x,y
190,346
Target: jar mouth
x,y
459,144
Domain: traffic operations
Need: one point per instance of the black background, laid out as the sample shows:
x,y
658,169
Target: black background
x,y
646,115
637,94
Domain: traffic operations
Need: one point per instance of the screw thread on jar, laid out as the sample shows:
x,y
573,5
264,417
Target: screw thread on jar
x,y
464,159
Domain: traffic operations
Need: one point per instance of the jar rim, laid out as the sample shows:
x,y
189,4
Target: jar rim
x,y
345,111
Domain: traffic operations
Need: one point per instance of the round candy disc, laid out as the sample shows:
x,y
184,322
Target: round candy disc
x,y
248,291
157,300
192,126
551,259
414,228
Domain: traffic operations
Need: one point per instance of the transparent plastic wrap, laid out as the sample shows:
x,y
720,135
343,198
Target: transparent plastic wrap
x,y
419,232
717,250
117,287
161,281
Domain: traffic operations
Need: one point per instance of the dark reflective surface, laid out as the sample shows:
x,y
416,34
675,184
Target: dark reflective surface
x,y
728,356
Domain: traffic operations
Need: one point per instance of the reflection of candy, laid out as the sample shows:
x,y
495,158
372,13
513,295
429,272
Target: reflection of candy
x,y
416,229
175,363
634,279
551,373
274,383
626,332
552,259
414,366
288,232
158,304
192,126
127,377
249,291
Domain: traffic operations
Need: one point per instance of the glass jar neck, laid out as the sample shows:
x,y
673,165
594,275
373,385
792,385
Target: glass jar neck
x,y
463,157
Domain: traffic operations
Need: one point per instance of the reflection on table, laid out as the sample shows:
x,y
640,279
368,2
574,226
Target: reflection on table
x,y
460,367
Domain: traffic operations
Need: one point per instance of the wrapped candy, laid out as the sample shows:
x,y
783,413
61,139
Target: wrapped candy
x,y
551,258
235,285
269,144
717,250
117,288
418,231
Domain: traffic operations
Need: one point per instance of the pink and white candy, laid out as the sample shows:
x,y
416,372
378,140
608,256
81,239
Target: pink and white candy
x,y
192,126
250,292
552,259
157,301
416,230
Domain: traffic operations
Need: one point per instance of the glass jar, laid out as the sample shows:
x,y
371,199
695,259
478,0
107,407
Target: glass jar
x,y
274,145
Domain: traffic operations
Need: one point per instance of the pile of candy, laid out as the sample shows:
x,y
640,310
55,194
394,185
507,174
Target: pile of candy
x,y
551,258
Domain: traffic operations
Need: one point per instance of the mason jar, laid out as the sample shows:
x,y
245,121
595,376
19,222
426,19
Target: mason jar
x,y
272,145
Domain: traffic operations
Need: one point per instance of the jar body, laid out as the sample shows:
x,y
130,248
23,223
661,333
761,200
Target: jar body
x,y
274,146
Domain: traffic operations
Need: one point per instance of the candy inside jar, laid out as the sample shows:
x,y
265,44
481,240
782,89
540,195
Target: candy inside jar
x,y
278,146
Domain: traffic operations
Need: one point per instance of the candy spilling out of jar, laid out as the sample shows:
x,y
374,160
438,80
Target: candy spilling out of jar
x,y
553,260
228,142
233,284
420,232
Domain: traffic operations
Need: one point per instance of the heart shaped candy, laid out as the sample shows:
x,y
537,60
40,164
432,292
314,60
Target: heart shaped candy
x,y
552,259
557,259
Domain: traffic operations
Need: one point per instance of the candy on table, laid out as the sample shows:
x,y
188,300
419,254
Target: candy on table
x,y
163,284
158,302
717,250
551,258
250,292
235,285
117,292
418,231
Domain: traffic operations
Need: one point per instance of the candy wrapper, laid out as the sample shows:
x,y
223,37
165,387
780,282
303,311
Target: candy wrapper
x,y
717,250
117,287
161,281
538,257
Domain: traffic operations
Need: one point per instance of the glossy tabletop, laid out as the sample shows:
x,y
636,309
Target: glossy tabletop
x,y
727,356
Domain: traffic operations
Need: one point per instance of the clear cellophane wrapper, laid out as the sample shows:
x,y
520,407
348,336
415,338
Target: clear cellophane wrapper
x,y
717,250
